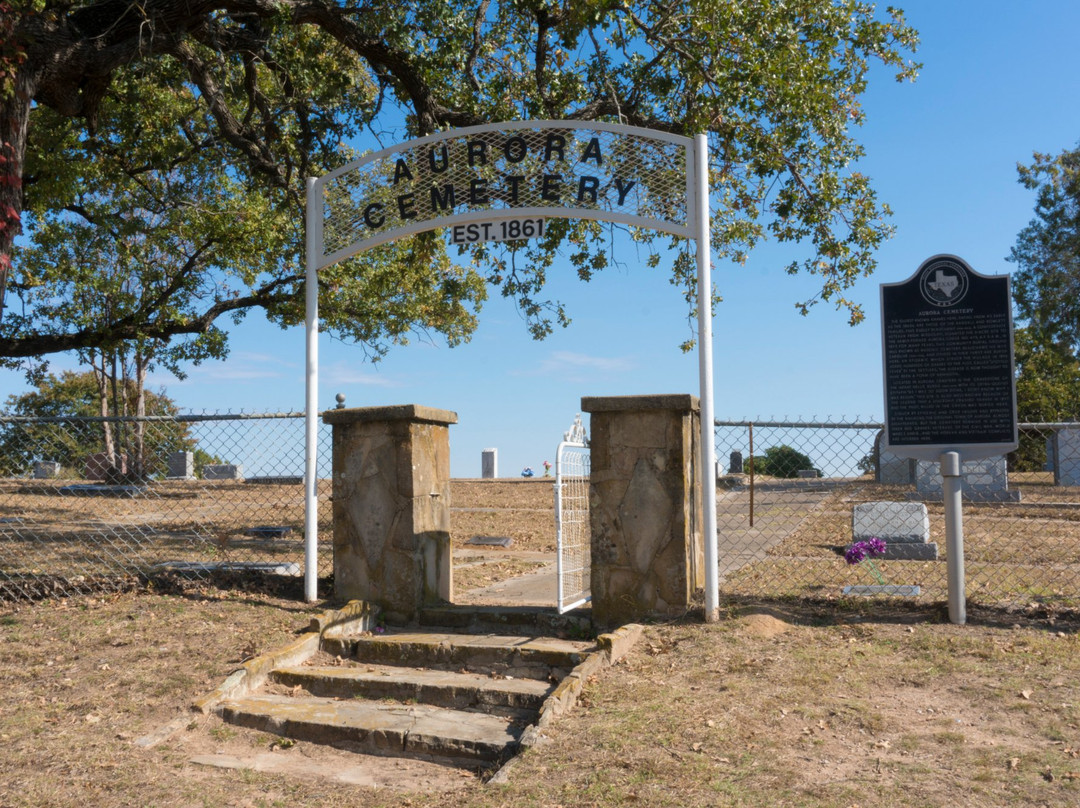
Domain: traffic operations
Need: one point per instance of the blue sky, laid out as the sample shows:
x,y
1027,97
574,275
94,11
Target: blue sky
x,y
999,81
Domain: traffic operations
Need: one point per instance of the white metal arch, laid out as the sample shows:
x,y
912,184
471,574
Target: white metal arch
x,y
360,199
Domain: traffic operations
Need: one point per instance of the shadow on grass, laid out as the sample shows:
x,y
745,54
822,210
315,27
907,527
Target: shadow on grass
x,y
833,611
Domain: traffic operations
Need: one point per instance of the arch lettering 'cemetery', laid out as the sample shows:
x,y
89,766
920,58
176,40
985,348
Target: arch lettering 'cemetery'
x,y
553,169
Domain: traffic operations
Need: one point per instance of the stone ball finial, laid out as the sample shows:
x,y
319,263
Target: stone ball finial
x,y
340,398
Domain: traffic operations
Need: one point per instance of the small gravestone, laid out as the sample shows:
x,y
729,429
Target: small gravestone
x,y
46,470
489,541
269,531
903,526
985,480
1066,454
489,464
223,471
181,466
735,463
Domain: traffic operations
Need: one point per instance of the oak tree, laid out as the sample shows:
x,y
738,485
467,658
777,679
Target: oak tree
x,y
154,153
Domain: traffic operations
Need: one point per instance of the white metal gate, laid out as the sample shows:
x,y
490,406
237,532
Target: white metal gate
x,y
572,529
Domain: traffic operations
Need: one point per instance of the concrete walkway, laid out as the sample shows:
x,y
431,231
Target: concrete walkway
x,y
539,588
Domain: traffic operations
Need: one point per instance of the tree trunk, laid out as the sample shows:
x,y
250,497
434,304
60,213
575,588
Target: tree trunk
x,y
120,445
14,119
140,467
103,398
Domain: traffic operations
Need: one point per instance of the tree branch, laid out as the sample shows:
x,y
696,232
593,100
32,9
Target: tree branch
x,y
113,332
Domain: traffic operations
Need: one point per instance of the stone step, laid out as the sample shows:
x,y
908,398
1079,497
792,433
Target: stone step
x,y
542,658
380,728
521,620
510,697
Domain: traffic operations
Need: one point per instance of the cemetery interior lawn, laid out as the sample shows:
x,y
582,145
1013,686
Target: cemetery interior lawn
x,y
789,704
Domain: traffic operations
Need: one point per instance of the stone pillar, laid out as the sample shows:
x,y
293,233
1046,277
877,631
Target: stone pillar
x,y
489,464
648,556
392,506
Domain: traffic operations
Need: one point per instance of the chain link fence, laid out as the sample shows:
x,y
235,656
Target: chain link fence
x,y
97,504
101,504
789,492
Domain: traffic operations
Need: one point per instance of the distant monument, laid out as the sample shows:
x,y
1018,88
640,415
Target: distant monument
x,y
489,464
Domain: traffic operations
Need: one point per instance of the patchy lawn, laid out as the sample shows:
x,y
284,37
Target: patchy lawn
x,y
796,707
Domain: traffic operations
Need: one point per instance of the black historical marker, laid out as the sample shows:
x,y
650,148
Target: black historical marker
x,y
948,359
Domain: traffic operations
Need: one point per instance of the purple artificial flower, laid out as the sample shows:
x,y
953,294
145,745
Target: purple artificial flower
x,y
861,549
875,546
855,553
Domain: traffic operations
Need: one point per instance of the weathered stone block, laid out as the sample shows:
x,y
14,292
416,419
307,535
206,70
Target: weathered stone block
x,y
46,470
392,506
223,471
645,501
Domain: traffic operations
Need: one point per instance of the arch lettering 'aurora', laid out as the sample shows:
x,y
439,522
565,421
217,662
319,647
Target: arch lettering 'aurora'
x,y
590,170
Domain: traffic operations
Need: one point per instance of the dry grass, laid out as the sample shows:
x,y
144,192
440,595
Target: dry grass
x,y
1014,552
46,532
473,572
522,510
798,708
851,704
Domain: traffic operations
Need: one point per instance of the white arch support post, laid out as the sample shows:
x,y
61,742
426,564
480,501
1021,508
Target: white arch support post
x,y
705,363
313,232
502,181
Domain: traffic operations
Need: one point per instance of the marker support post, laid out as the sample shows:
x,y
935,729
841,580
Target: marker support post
x,y
954,535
